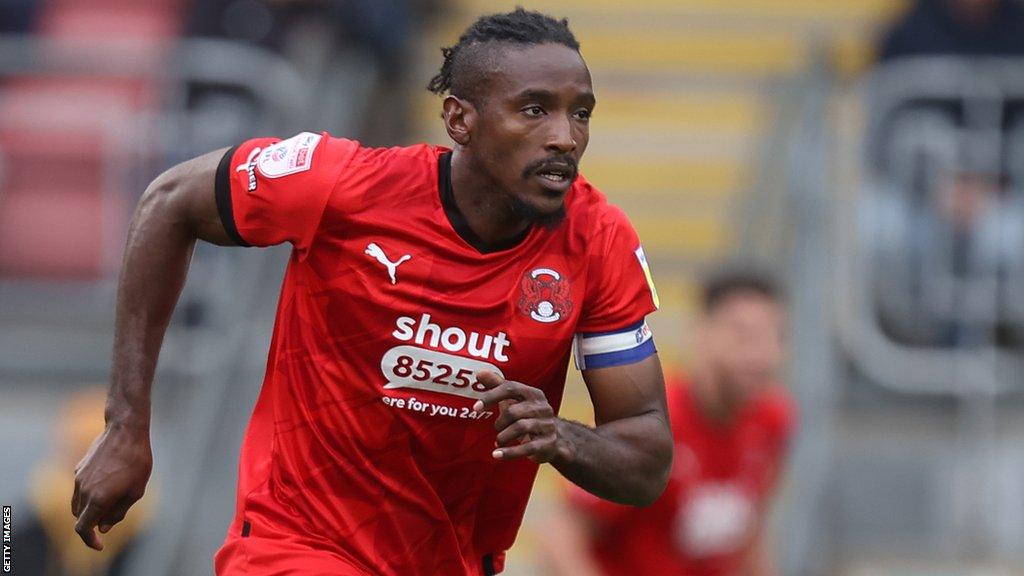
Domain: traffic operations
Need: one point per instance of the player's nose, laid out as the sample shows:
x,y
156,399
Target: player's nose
x,y
560,137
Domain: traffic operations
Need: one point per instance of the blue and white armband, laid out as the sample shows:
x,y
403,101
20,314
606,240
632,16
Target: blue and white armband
x,y
617,348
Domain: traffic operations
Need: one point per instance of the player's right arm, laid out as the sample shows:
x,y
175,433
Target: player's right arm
x,y
177,208
263,192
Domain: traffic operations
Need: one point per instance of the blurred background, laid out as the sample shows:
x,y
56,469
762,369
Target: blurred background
x,y
869,152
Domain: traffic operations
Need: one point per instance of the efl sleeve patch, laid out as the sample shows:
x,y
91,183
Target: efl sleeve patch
x,y
617,348
259,207
647,275
289,156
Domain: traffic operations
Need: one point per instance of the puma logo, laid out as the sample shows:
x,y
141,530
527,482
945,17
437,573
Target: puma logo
x,y
376,252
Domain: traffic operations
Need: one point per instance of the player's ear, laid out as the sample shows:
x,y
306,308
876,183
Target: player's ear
x,y
459,118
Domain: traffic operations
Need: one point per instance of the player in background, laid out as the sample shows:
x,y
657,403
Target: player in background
x,y
732,423
423,331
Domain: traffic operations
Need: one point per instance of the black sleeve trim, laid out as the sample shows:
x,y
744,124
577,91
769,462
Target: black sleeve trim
x,y
222,191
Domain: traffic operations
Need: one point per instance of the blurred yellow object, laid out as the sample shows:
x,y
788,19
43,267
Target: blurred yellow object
x,y
651,177
680,236
52,485
81,421
719,110
712,51
852,54
50,494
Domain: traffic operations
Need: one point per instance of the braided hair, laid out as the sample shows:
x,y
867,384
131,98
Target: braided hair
x,y
462,62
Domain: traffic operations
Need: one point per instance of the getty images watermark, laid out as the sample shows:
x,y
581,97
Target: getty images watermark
x,y
7,539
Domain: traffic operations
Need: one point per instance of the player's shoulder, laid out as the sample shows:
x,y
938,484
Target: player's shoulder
x,y
394,171
299,152
589,209
416,156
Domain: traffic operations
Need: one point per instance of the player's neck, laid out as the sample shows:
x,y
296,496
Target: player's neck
x,y
485,207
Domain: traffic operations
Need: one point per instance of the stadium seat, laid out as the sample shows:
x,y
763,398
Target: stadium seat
x,y
150,20
55,233
66,181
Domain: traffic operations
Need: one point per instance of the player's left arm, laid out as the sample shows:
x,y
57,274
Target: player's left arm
x,y
625,458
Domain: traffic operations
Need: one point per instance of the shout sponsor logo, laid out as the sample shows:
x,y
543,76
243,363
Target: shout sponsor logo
x,y
435,357
452,339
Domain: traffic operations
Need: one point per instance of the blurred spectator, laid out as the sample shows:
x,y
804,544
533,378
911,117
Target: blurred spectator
x,y
47,544
221,113
18,16
364,97
732,423
945,229
957,27
250,21
942,248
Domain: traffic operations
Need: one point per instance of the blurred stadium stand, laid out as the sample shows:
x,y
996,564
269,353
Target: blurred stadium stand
x,y
725,128
928,309
91,109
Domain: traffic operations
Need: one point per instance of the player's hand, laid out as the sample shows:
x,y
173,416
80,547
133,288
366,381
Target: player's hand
x,y
109,479
526,425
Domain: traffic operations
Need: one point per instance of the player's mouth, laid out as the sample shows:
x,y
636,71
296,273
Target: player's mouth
x,y
556,177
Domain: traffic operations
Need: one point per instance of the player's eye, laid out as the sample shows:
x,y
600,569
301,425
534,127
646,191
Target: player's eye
x,y
583,114
533,111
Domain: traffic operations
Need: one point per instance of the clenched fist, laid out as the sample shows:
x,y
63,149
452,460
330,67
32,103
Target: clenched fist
x,y
109,479
527,425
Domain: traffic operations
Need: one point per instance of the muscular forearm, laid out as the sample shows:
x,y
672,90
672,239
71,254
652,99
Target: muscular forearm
x,y
177,209
625,461
160,243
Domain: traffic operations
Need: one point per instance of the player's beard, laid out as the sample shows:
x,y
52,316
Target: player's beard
x,y
529,213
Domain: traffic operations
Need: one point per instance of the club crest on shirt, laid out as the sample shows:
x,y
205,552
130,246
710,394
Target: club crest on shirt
x,y
544,295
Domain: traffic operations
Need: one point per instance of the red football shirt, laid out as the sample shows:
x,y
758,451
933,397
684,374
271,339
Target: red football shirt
x,y
704,523
363,455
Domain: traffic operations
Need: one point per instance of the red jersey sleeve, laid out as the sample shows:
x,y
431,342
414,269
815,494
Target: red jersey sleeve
x,y
620,290
271,191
